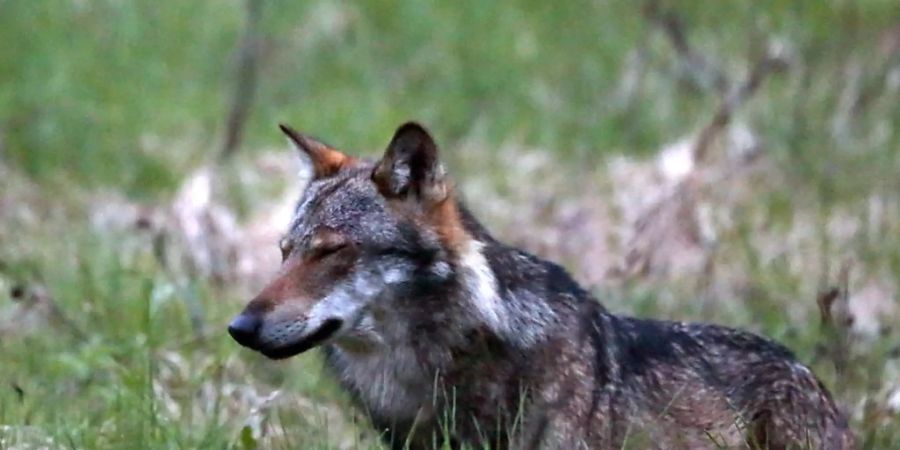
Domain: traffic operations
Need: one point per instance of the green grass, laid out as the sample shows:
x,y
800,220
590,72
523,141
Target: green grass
x,y
130,96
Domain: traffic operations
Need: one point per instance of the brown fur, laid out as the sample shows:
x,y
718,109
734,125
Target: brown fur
x,y
325,160
432,325
303,278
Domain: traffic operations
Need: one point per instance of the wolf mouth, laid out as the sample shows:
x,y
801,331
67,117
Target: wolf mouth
x,y
327,330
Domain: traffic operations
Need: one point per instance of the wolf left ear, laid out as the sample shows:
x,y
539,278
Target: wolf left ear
x,y
410,166
325,160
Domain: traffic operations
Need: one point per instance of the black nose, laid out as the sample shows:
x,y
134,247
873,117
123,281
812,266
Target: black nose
x,y
244,329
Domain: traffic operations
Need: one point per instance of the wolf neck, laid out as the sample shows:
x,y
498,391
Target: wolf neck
x,y
480,287
512,293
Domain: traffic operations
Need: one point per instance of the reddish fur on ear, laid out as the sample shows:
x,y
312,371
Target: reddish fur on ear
x,y
325,160
412,178
445,218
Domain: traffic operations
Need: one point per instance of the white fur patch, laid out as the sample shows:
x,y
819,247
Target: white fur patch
x,y
305,169
442,269
481,286
395,276
400,176
523,317
385,380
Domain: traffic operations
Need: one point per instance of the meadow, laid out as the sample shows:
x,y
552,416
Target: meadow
x,y
734,162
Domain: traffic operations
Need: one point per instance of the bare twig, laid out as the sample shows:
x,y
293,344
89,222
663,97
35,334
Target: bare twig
x,y
632,74
836,320
679,206
702,71
771,62
701,68
245,88
825,301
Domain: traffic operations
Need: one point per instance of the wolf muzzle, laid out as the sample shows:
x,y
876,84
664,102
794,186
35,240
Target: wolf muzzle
x,y
245,329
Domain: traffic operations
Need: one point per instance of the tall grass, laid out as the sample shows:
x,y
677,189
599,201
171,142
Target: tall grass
x,y
97,344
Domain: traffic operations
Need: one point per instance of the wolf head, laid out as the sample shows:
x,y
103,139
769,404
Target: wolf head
x,y
365,236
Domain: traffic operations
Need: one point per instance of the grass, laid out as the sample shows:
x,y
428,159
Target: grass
x,y
106,345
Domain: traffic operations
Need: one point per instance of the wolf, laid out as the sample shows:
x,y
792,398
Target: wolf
x,y
446,337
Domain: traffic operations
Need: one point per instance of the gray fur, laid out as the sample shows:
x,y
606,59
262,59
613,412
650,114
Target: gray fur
x,y
518,353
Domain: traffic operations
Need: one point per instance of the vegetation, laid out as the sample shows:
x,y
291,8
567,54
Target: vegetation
x,y
553,114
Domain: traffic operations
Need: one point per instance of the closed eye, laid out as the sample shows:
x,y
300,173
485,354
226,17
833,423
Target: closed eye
x,y
323,250
325,242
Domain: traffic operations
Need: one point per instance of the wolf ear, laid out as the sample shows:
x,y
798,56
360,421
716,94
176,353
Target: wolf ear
x,y
410,166
325,161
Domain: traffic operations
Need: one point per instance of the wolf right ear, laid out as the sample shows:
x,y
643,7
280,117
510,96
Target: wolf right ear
x,y
325,160
410,166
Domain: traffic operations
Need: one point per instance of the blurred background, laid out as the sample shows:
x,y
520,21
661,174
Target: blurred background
x,y
736,162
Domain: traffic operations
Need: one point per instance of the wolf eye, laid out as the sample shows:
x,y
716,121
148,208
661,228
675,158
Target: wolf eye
x,y
325,249
286,248
326,243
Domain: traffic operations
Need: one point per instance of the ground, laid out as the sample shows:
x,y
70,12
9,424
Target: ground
x,y
735,163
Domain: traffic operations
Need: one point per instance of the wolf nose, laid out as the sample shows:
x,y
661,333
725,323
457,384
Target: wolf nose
x,y
244,329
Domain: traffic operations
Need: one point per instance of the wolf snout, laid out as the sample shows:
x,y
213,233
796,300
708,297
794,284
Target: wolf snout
x,y
245,329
